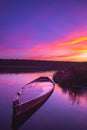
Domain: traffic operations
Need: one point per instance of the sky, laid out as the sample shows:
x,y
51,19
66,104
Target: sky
x,y
43,30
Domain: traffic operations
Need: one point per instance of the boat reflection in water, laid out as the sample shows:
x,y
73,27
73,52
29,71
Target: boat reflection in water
x,y
29,99
18,121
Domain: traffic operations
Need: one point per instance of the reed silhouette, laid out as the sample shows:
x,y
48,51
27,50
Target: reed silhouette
x,y
73,81
71,77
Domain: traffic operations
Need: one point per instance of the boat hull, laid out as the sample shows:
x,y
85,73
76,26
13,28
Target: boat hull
x,y
20,108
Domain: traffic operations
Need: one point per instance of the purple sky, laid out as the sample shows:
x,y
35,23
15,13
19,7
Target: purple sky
x,y
43,29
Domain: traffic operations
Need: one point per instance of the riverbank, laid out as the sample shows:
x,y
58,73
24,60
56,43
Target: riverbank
x,y
71,77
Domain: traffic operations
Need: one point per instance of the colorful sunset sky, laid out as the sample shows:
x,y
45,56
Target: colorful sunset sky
x,y
43,29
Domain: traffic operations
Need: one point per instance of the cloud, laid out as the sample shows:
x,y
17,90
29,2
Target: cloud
x,y
50,43
67,50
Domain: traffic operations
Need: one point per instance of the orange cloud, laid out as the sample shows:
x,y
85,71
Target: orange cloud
x,y
71,42
66,50
70,50
78,40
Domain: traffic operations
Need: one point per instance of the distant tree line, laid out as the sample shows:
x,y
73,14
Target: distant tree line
x,y
21,62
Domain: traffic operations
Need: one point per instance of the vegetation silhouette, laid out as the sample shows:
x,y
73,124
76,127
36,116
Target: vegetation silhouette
x,y
71,77
73,81
76,94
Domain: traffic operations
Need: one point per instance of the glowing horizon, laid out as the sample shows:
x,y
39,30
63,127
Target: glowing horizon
x,y
44,31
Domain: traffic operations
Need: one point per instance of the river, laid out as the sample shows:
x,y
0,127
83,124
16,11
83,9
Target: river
x,y
64,110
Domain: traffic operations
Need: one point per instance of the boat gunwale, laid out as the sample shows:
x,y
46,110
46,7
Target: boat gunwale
x,y
31,100
16,98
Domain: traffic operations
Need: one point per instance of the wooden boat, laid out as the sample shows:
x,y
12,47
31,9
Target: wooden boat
x,y
32,94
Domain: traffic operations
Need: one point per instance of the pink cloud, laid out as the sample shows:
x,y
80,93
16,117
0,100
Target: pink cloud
x,y
68,48
65,50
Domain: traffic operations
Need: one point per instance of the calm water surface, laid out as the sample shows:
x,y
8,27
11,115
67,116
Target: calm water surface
x,y
64,110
